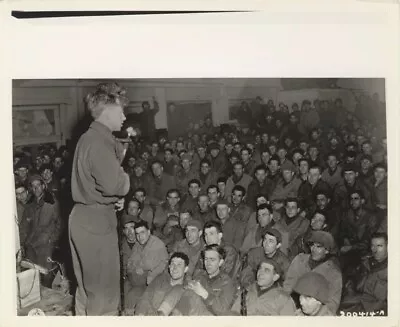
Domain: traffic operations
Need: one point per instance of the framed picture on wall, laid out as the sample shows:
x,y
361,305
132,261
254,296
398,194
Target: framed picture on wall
x,y
34,124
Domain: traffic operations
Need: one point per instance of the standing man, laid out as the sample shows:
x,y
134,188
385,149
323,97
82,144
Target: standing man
x,y
98,182
148,125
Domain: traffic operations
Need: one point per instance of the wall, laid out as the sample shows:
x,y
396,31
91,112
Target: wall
x,y
368,85
70,94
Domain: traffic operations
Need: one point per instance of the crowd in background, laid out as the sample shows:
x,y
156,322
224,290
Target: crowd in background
x,y
284,213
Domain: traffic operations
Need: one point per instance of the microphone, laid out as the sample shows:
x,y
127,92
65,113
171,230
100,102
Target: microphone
x,y
126,134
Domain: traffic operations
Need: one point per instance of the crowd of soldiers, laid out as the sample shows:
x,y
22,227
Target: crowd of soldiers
x,y
285,214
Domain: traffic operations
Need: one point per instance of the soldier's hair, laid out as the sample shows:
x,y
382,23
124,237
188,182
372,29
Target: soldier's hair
x,y
180,255
142,223
221,180
105,93
275,158
211,187
380,235
298,202
239,188
263,207
357,191
205,161
194,181
140,189
173,190
260,167
215,247
306,160
211,224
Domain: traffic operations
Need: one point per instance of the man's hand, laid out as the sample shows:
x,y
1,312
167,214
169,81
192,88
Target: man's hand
x,y
119,206
345,249
196,287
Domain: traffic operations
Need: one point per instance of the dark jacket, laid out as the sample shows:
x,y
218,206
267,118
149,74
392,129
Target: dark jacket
x,y
40,229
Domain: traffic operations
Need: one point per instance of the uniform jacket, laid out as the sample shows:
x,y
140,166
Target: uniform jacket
x,y
193,252
162,213
256,188
221,292
97,176
241,212
219,163
254,258
301,265
298,226
374,285
273,301
253,238
158,187
156,293
358,230
152,258
40,229
307,194
233,230
379,191
285,190
183,177
231,262
341,194
332,178
210,179
230,184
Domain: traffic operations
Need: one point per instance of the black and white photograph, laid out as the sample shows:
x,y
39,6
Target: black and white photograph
x,y
201,197
220,163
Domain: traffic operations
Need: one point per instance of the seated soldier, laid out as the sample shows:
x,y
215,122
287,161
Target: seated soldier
x,y
171,233
40,228
288,185
191,197
238,178
212,232
301,245
272,241
212,291
260,199
265,297
128,240
369,294
213,196
293,220
165,291
203,212
221,184
192,245
146,212
168,208
147,260
265,221
320,260
232,227
313,289
356,227
239,210
133,209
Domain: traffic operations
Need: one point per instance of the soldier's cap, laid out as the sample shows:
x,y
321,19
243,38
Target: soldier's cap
x,y
36,177
288,165
195,223
222,202
22,163
272,262
274,232
314,285
126,218
323,238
